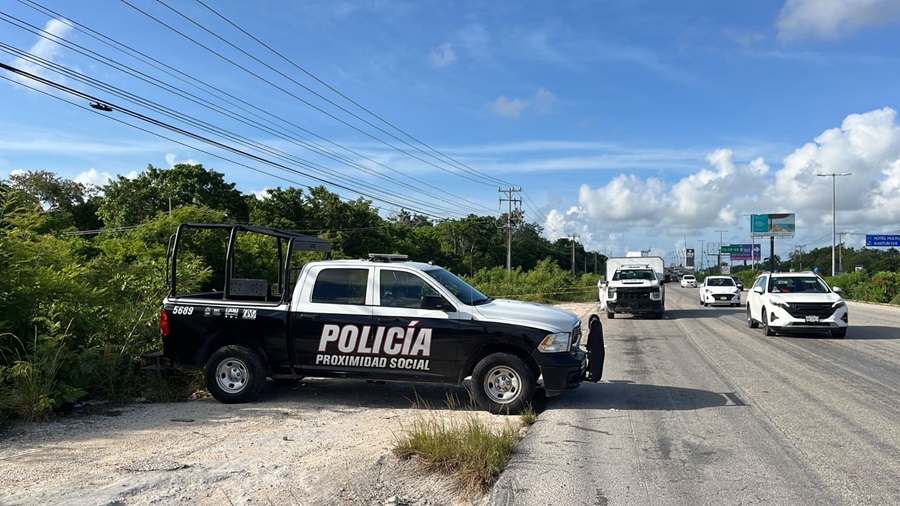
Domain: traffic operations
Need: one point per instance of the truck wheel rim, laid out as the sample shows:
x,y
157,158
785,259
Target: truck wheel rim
x,y
502,384
231,375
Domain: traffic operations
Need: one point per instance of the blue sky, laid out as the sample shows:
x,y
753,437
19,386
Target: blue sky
x,y
631,124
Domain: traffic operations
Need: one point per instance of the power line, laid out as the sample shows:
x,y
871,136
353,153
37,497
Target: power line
x,y
134,73
201,138
345,97
291,94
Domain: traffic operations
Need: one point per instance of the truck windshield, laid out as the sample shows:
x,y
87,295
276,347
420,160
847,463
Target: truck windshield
x,y
634,274
466,293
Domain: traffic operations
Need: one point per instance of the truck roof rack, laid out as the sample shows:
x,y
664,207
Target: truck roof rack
x,y
387,257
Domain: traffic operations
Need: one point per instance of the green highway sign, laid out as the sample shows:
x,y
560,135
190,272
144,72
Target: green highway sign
x,y
732,248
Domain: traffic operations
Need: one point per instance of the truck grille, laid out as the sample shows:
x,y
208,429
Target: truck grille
x,y
804,309
633,294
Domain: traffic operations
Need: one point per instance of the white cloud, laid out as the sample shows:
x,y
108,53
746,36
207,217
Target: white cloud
x,y
172,160
95,177
542,102
720,195
442,56
261,194
44,49
833,18
508,107
868,147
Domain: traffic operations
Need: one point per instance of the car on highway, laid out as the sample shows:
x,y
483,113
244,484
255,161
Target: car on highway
x,y
719,290
688,281
739,282
784,302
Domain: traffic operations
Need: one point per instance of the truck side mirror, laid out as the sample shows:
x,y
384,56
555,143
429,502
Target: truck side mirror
x,y
432,301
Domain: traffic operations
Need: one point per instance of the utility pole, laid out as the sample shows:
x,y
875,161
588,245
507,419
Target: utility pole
x,y
841,252
719,256
510,201
573,237
702,253
800,256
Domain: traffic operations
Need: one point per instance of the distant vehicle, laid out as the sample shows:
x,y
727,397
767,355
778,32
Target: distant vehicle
x,y
688,281
739,282
717,290
796,301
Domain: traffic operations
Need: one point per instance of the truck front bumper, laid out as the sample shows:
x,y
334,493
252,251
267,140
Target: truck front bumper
x,y
565,371
562,371
634,306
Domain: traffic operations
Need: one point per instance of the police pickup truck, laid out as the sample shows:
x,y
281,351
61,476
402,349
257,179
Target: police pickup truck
x,y
265,307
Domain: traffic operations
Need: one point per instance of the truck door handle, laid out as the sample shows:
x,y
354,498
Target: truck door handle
x,y
387,320
309,316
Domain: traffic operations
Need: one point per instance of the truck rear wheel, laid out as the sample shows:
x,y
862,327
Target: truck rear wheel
x,y
503,384
235,374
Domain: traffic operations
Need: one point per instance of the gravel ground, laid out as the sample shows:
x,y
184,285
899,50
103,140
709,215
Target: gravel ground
x,y
316,442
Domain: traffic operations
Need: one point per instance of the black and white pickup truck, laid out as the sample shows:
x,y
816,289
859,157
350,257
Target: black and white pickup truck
x,y
274,311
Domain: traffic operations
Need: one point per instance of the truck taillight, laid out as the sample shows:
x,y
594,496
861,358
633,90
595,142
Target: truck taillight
x,y
164,322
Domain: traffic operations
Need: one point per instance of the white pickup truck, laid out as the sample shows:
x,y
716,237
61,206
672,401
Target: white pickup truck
x,y
635,286
381,318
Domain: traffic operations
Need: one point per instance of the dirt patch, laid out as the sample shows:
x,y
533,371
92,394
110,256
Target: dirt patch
x,y
312,443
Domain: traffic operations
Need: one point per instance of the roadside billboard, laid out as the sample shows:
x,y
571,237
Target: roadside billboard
x,y
689,258
772,225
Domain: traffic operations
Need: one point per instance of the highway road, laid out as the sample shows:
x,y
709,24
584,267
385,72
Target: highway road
x,y
699,409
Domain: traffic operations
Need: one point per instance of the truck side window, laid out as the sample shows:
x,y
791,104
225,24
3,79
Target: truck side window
x,y
402,289
341,286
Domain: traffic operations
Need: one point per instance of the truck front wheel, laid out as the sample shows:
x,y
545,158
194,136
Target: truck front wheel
x,y
235,374
503,384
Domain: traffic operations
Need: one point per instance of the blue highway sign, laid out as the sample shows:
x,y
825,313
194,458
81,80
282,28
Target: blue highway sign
x,y
882,240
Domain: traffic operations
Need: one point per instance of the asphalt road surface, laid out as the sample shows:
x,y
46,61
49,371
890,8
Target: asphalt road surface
x,y
699,409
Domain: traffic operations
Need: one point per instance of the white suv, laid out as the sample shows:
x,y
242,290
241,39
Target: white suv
x,y
688,280
796,301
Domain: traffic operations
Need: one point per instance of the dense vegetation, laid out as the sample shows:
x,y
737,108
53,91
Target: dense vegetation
x,y
82,270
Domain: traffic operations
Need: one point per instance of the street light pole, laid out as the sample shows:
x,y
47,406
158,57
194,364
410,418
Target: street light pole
x,y
833,176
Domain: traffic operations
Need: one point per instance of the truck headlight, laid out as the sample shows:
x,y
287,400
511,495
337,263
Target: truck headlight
x,y
554,343
611,293
655,295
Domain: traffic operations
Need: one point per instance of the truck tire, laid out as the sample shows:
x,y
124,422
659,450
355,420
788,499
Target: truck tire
x,y
503,384
235,374
610,315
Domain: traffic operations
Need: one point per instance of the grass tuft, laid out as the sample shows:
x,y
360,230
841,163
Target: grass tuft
x,y
470,450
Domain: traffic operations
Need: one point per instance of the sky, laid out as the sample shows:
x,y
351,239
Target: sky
x,y
623,124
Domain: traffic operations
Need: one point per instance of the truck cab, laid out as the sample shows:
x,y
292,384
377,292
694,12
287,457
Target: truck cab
x,y
281,313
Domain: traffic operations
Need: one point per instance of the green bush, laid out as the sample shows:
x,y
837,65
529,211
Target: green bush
x,y
31,380
547,282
